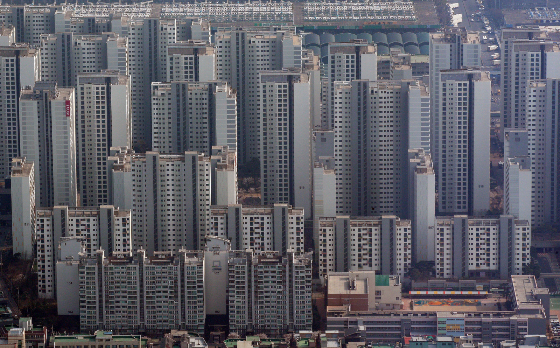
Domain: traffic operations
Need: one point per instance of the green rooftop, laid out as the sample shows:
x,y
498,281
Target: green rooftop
x,y
381,280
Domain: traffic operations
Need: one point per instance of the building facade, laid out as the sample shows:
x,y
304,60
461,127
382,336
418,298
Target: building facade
x,y
23,207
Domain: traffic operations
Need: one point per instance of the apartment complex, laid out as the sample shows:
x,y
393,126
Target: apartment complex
x,y
48,138
20,65
346,61
193,116
66,55
98,227
241,54
170,197
527,55
454,48
268,293
481,247
262,228
372,123
355,244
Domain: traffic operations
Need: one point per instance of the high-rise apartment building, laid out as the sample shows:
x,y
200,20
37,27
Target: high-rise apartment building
x,y
371,126
29,21
419,120
284,113
66,55
543,115
347,61
193,116
191,61
149,293
47,138
23,207
262,228
224,176
20,66
101,227
241,54
527,55
355,243
453,48
171,197
489,247
102,121
421,204
463,159
149,40
518,186
269,293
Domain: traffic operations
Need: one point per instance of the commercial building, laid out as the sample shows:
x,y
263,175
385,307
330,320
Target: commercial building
x,y
98,340
542,116
454,48
481,247
493,325
193,116
284,113
527,55
463,136
262,228
102,121
355,244
241,54
48,138
362,291
21,69
100,227
269,293
23,207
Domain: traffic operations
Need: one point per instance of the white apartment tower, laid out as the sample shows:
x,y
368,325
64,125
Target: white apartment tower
x,y
543,115
224,176
489,247
191,61
241,54
422,204
66,55
371,127
20,67
101,227
103,121
23,208
193,116
518,186
284,113
269,293
527,55
347,61
382,244
171,197
47,137
454,48
262,228
463,175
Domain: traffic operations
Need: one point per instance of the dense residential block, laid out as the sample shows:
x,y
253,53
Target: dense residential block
x,y
100,227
